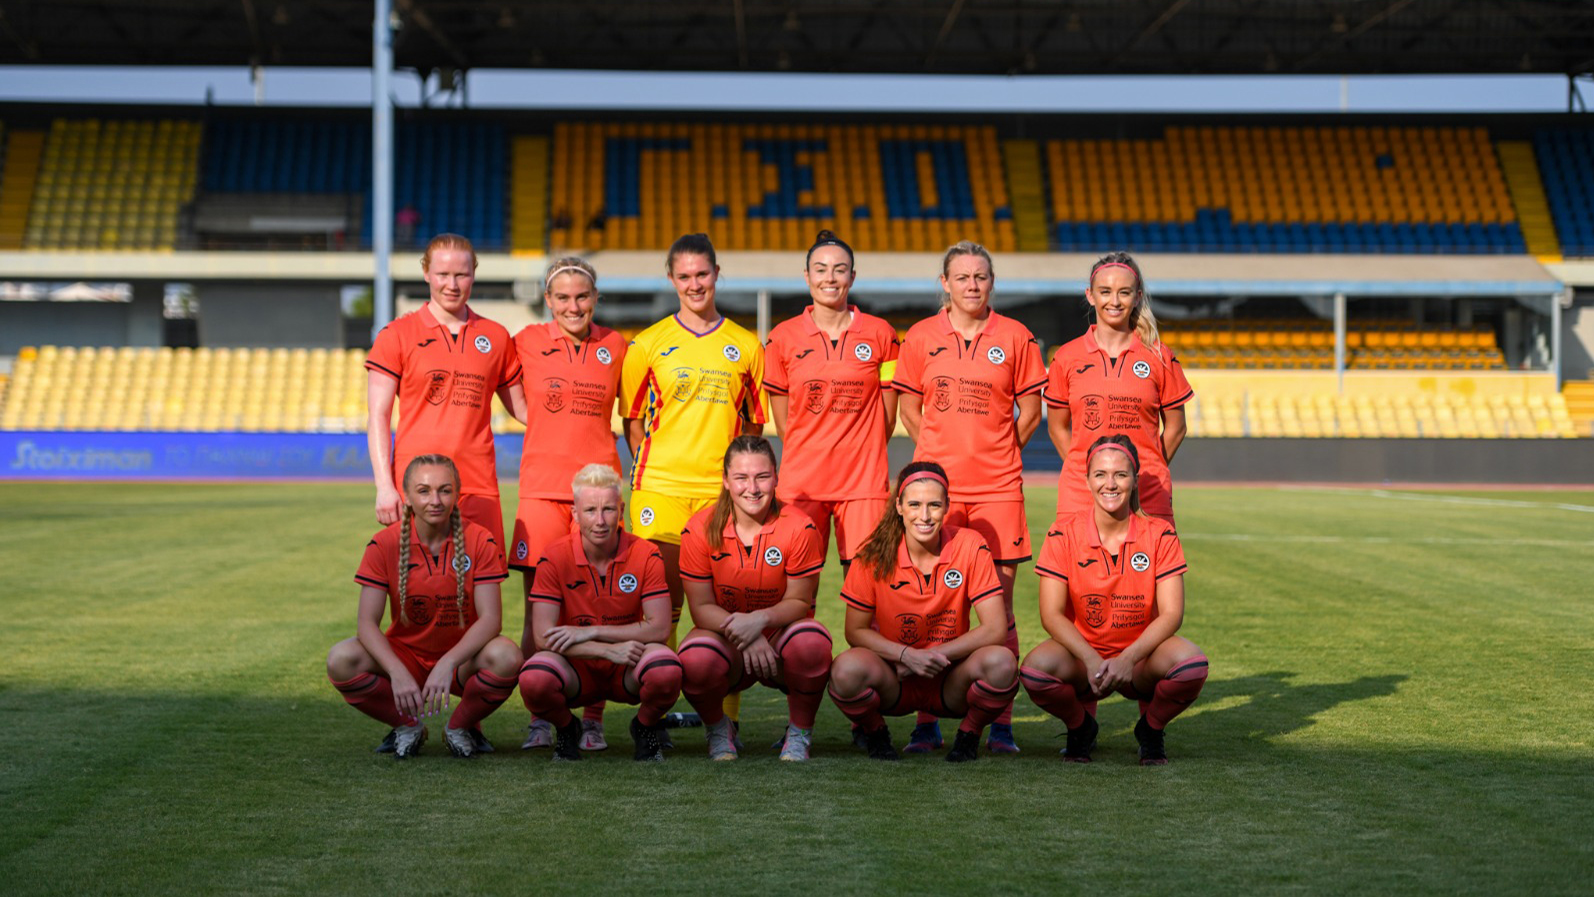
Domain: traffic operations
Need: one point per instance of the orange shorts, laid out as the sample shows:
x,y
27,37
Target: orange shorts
x,y
1001,523
484,510
598,680
538,522
420,665
855,520
921,694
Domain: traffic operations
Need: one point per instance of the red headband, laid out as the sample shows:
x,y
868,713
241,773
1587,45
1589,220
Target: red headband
x,y
1105,446
1100,268
923,475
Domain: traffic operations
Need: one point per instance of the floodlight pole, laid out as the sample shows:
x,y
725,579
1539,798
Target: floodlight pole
x,y
1339,340
382,165
763,315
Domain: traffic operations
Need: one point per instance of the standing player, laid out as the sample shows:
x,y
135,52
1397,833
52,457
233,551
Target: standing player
x,y
1117,378
751,568
438,576
908,598
600,613
829,378
1112,598
571,375
690,385
960,375
443,362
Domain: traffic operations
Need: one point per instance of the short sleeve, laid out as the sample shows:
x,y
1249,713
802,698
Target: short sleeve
x,y
1053,561
546,584
654,585
387,353
751,403
1175,387
857,590
981,582
804,557
634,376
1056,391
1169,555
695,563
375,567
1029,374
776,379
910,366
509,366
487,558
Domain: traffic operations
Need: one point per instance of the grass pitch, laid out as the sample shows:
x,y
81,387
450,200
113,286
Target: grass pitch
x,y
1398,704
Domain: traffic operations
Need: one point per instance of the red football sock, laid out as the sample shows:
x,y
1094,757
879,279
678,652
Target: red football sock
x,y
1176,691
705,677
483,694
594,711
372,695
1054,696
985,704
542,688
659,675
805,664
1010,643
863,709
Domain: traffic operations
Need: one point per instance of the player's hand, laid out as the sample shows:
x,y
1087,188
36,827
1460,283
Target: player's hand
x,y
743,629
437,690
562,638
925,662
389,504
406,695
1112,675
626,653
760,659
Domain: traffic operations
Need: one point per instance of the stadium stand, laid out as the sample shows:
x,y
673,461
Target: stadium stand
x,y
1578,395
1027,187
1284,189
887,188
1296,344
1566,161
18,180
528,178
112,184
1521,171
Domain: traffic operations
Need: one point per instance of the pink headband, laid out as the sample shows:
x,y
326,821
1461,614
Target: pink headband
x,y
567,269
1105,446
923,475
1102,268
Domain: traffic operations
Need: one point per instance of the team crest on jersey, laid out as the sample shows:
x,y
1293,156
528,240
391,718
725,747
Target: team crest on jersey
x,y
521,550
733,353
554,398
484,345
628,583
941,393
1095,610
1139,562
911,626
419,610
814,396
952,578
1091,409
463,559
645,517
683,384
437,387
1142,370
995,355
603,354
863,352
773,556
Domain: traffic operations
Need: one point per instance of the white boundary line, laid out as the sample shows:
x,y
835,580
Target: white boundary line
x,y
1384,540
1452,499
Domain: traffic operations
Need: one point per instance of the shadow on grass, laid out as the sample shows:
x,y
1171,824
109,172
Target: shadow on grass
x,y
1278,707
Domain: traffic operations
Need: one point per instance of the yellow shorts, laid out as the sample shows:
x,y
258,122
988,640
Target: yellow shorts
x,y
662,517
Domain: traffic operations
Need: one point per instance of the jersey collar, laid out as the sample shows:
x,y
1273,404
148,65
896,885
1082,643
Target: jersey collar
x,y
902,549
620,549
681,324
945,317
431,319
812,329
1090,340
1095,533
730,525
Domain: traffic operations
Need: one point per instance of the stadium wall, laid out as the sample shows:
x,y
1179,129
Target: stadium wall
x,y
246,316
135,323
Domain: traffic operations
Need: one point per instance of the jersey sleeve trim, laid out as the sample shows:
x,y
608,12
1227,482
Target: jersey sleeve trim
x,y
657,593
899,386
515,376
1188,395
370,581
1174,572
494,577
697,577
988,593
1050,573
1033,387
774,388
545,598
373,366
806,571
859,604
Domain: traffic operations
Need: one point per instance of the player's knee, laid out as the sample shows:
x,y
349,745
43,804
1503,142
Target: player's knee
x,y
806,650
704,660
996,665
501,657
1192,668
849,673
345,659
540,675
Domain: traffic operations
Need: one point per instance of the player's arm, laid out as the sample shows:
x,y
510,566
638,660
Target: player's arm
x,y
633,434
706,612
368,629
514,398
777,412
888,400
796,604
1029,417
992,629
1054,619
488,598
860,633
1059,426
911,408
601,642
1120,670
380,392
1172,431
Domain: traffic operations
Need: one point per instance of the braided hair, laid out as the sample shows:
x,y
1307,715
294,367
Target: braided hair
x,y
456,526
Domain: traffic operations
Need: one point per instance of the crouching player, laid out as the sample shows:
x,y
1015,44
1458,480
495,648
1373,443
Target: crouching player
x,y
439,577
1112,597
600,612
908,595
751,566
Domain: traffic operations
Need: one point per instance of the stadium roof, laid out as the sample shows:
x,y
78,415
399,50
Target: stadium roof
x,y
992,37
